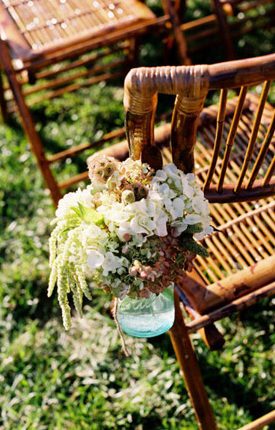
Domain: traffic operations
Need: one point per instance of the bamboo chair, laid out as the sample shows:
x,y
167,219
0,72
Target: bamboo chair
x,y
238,17
231,148
40,41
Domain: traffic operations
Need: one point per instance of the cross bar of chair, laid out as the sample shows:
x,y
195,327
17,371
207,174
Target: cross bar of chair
x,y
82,147
260,422
236,305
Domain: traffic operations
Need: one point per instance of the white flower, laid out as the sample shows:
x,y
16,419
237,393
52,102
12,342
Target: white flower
x,y
178,206
162,189
200,205
124,231
178,228
114,181
154,195
187,188
174,175
160,175
166,191
207,230
159,216
94,259
175,208
130,164
161,226
142,224
114,215
171,170
72,200
93,236
191,178
127,197
141,221
111,263
192,219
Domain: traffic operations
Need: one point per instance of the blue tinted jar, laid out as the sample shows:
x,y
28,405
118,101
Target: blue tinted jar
x,y
147,317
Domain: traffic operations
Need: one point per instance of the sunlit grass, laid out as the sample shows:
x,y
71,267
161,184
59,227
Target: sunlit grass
x,y
52,380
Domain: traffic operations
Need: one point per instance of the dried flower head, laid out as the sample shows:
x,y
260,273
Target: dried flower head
x,y
101,168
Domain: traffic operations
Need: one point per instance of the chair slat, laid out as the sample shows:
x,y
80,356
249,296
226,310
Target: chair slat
x,y
88,60
231,136
270,417
246,216
218,137
270,172
207,267
227,258
236,256
67,153
73,180
238,304
253,135
262,153
74,76
217,262
213,246
240,230
248,227
270,222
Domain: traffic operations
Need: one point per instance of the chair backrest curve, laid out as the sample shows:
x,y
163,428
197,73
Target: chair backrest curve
x,y
190,85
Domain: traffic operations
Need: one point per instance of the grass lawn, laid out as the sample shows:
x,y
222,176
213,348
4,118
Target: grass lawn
x,y
51,380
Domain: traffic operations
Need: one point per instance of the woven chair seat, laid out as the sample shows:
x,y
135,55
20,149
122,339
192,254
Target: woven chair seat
x,y
36,26
245,243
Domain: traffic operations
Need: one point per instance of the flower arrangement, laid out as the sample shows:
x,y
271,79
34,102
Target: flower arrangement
x,y
132,231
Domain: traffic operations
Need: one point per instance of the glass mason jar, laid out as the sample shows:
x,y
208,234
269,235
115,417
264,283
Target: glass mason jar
x,y
147,317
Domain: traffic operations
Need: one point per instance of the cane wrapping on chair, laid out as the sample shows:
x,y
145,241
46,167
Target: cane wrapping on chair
x,y
191,86
235,162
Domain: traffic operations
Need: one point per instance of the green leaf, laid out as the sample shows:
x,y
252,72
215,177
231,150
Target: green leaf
x,y
190,244
192,229
89,215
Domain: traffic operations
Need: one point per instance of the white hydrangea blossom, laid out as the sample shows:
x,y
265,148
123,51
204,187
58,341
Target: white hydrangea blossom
x,y
112,263
72,200
95,259
182,200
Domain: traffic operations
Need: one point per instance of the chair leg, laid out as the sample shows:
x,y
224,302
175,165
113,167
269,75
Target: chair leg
x,y
3,102
133,56
28,124
178,35
224,30
187,359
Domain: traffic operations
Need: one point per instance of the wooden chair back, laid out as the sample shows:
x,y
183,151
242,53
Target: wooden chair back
x,y
255,163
